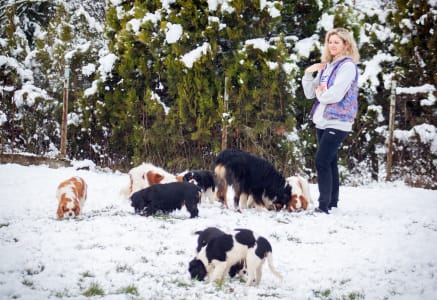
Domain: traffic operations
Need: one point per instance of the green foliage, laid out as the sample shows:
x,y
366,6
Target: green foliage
x,y
154,106
130,289
359,152
324,294
177,122
299,18
87,274
421,173
27,283
414,24
94,290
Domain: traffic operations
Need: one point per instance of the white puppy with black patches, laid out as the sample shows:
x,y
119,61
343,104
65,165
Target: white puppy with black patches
x,y
221,253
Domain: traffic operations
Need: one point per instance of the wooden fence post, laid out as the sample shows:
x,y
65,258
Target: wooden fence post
x,y
64,112
391,126
3,110
225,117
13,122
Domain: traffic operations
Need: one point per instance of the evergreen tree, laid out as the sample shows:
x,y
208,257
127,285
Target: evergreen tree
x,y
415,44
414,23
26,125
152,88
187,130
299,18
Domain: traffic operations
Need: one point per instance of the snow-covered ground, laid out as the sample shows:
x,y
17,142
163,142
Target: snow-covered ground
x,y
381,243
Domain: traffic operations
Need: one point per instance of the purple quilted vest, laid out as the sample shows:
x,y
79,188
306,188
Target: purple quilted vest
x,y
347,108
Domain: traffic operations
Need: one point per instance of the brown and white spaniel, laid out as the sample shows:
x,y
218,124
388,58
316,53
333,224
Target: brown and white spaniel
x,y
71,195
144,176
300,194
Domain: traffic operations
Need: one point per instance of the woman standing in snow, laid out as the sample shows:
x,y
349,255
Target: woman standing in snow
x,y
335,88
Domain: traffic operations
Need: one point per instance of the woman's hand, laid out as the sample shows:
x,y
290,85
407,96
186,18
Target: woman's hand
x,y
321,88
314,68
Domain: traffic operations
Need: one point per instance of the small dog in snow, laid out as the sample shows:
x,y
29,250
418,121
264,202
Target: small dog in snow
x,y
222,252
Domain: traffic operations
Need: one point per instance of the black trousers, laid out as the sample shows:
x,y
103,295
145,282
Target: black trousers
x,y
329,141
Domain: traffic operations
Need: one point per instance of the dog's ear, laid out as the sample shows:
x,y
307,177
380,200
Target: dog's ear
x,y
138,203
291,205
77,210
154,178
198,232
304,202
60,211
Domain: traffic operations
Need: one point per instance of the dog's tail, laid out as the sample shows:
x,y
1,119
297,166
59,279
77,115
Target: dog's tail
x,y
271,266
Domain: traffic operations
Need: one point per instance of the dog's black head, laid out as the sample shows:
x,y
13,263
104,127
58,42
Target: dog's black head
x,y
138,201
197,269
206,235
236,269
283,198
188,176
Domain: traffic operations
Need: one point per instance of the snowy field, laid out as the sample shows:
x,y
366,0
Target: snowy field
x,y
381,243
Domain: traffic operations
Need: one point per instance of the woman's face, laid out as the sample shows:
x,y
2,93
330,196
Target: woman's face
x,y
336,45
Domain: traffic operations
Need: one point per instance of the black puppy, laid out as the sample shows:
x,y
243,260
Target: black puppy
x,y
197,269
167,198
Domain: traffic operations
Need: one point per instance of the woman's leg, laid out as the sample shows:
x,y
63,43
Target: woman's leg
x,y
335,183
329,141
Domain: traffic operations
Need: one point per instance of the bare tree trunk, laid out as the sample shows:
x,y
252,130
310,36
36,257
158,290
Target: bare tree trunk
x,y
390,130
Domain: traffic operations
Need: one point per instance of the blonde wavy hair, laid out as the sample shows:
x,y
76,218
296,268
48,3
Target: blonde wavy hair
x,y
351,48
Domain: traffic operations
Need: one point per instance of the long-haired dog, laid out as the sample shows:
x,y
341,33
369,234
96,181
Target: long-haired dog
x,y
301,197
202,178
145,175
251,177
71,195
222,252
166,198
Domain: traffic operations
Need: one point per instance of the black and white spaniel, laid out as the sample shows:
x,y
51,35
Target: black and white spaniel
x,y
224,251
202,178
252,178
210,233
166,198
